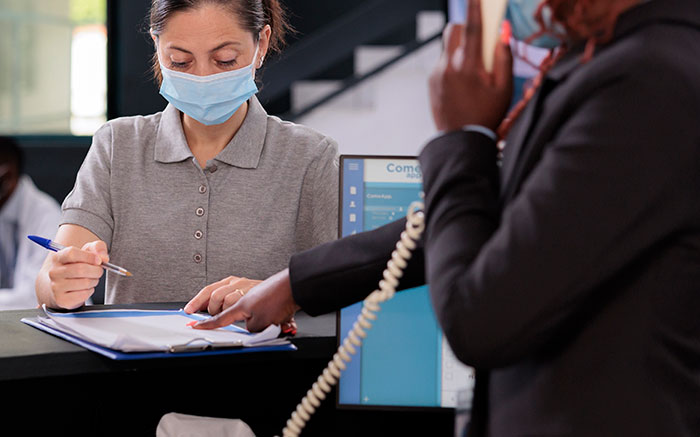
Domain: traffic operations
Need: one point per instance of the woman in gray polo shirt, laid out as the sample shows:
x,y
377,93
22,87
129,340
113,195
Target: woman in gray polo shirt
x,y
210,187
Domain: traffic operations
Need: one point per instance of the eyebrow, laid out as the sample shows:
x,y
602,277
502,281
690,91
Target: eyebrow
x,y
219,47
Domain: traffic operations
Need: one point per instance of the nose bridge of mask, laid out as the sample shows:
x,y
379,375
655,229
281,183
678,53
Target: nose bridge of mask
x,y
214,88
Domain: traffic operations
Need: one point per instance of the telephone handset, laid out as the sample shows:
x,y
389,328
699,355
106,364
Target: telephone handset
x,y
415,224
492,12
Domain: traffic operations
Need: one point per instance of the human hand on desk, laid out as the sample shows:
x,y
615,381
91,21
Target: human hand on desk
x,y
220,295
271,302
74,273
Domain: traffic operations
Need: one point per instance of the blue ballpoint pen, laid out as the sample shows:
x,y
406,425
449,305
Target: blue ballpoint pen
x,y
51,245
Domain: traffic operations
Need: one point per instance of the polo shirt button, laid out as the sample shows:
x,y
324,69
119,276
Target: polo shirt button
x,y
198,234
202,189
213,168
197,258
199,212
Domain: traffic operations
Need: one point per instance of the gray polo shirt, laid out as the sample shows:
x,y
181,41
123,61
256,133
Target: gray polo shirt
x,y
271,192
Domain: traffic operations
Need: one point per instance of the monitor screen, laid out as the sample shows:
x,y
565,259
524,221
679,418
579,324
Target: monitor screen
x,y
405,361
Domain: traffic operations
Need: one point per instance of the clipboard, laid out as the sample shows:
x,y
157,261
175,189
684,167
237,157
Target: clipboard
x,y
95,331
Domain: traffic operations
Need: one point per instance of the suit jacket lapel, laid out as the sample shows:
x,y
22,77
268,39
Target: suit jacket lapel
x,y
514,142
522,142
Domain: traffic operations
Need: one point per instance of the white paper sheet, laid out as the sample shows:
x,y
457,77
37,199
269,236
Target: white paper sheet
x,y
143,331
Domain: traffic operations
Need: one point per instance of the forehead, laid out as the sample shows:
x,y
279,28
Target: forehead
x,y
207,25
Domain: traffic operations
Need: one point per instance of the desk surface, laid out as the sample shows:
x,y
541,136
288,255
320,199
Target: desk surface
x,y
25,351
94,387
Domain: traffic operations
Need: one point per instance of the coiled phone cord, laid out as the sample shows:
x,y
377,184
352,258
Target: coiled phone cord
x,y
415,224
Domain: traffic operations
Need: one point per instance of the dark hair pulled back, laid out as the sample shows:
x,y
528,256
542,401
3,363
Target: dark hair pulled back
x,y
253,15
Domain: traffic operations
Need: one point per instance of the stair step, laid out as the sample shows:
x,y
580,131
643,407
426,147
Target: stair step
x,y
392,116
367,58
306,92
428,23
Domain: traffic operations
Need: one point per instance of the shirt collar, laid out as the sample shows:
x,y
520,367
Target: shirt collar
x,y
244,149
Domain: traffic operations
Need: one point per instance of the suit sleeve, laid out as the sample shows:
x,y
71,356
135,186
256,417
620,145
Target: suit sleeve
x,y
345,271
614,182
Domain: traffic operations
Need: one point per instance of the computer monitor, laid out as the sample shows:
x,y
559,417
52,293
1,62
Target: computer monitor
x,y
405,361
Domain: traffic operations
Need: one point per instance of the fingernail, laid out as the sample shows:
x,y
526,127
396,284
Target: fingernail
x,y
506,32
192,323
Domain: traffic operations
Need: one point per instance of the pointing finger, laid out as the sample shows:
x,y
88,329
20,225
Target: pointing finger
x,y
225,318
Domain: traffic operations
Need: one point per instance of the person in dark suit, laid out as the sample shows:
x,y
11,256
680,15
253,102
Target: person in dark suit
x,y
568,276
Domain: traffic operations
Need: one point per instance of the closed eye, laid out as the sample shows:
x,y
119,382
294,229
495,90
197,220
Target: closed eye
x,y
178,65
230,63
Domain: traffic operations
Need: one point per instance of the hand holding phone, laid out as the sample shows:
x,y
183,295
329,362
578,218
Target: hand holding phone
x,y
462,90
492,14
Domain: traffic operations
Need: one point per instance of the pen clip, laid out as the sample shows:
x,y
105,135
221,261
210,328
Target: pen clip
x,y
208,344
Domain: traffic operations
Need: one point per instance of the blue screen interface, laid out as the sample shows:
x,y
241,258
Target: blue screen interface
x,y
404,361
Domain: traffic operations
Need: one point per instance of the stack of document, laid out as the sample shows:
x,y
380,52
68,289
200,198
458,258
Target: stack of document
x,y
140,331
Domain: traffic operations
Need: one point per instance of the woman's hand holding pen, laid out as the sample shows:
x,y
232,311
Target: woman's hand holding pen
x,y
462,92
74,273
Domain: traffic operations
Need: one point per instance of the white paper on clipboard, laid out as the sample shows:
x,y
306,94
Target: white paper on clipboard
x,y
151,331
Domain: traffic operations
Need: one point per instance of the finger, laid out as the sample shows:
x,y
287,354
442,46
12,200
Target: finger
x,y
503,61
289,327
216,300
71,255
244,284
77,271
257,324
70,285
201,300
452,38
73,299
231,300
99,248
473,33
225,318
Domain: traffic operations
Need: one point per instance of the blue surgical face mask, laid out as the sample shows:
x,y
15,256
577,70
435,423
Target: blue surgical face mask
x,y
209,99
521,14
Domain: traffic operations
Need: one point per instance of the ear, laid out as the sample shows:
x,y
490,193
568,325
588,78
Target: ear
x,y
154,37
264,45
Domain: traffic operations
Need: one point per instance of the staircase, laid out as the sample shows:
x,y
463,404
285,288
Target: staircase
x,y
384,108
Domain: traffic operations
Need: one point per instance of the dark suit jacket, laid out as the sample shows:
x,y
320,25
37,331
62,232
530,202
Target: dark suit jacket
x,y
570,279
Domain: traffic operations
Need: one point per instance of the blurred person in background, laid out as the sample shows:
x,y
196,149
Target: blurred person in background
x,y
24,210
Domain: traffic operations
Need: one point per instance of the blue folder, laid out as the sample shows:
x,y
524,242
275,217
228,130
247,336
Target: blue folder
x,y
119,355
